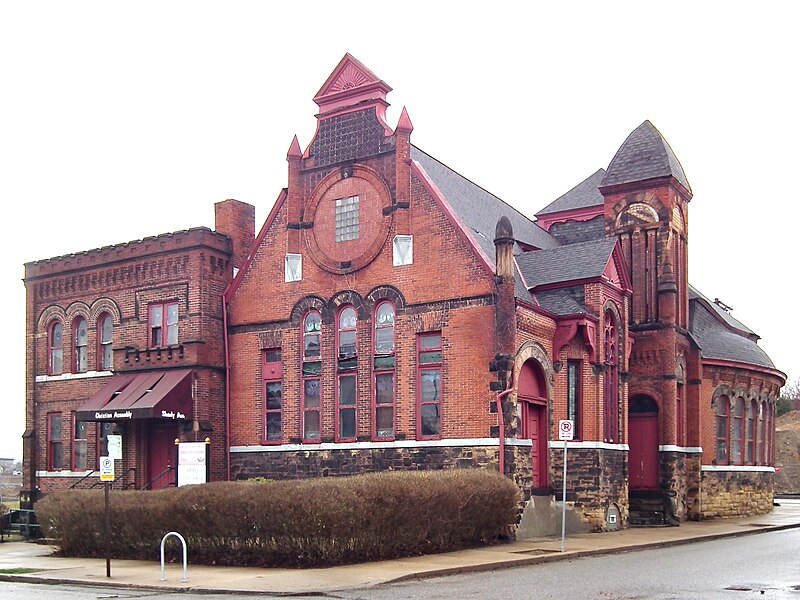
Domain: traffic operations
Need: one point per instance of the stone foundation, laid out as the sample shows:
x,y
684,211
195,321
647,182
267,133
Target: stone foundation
x,y
597,482
680,473
309,462
736,493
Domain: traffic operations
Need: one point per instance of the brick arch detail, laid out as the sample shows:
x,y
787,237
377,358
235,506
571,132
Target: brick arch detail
x,y
346,297
534,350
642,198
386,292
48,315
306,304
105,305
78,309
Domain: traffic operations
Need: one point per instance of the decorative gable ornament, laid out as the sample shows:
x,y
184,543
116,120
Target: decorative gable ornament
x,y
352,84
402,250
293,267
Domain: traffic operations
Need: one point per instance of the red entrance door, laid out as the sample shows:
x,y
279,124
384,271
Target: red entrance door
x,y
534,428
643,444
161,467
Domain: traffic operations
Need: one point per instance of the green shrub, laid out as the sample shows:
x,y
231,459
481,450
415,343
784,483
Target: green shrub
x,y
291,523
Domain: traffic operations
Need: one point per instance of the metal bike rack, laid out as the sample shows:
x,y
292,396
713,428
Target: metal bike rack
x,y
183,542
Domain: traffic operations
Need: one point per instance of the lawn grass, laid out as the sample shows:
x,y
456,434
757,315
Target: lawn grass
x,y
18,571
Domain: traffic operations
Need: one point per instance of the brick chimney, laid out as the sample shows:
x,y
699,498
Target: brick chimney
x,y
237,220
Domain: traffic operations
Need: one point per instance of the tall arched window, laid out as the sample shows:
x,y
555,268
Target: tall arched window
x,y
55,349
750,433
105,337
721,453
737,432
760,430
312,370
611,381
80,338
384,373
346,374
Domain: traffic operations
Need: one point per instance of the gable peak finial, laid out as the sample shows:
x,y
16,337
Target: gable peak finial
x,y
404,124
294,149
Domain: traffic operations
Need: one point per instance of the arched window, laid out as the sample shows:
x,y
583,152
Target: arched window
x,y
722,430
105,337
312,346
384,373
611,381
737,432
81,340
750,434
312,370
346,378
56,351
760,430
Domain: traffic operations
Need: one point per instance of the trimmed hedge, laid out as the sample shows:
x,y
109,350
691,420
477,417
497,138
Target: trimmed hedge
x,y
316,522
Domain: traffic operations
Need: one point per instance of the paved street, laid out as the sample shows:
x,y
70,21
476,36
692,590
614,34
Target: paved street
x,y
764,566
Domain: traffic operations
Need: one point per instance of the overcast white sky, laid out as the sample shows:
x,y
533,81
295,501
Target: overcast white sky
x,y
120,120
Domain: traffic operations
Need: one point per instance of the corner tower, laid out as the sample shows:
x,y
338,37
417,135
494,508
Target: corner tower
x,y
646,195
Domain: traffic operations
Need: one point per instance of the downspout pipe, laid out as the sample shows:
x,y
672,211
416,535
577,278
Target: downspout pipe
x,y
227,387
502,422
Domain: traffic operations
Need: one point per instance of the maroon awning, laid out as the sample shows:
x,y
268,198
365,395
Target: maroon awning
x,y
159,395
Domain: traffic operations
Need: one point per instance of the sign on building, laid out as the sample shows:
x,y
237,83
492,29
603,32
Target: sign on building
x,y
192,463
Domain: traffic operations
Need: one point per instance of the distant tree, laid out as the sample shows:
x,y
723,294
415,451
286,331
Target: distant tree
x,y
790,397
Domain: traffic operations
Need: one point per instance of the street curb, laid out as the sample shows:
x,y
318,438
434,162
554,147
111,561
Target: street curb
x,y
550,557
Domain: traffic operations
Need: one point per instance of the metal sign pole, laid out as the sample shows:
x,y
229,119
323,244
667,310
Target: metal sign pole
x,y
108,531
564,501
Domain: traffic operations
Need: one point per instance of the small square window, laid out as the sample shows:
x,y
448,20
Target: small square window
x,y
293,267
402,250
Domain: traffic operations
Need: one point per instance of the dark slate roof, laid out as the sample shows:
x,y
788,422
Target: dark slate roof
x,y
695,294
575,262
478,209
583,195
645,154
560,302
571,232
724,340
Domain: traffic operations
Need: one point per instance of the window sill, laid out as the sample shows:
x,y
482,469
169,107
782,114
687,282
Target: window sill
x,y
72,376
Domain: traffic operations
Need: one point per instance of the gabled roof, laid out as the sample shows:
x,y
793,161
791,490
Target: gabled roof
x,y
722,337
583,195
480,210
575,262
645,154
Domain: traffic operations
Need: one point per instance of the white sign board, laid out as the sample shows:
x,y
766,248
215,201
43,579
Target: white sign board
x,y
106,468
115,446
566,429
191,463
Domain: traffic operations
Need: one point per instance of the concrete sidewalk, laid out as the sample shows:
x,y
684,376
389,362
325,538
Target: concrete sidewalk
x,y
45,568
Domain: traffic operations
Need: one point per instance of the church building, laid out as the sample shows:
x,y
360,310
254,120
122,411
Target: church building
x,y
390,314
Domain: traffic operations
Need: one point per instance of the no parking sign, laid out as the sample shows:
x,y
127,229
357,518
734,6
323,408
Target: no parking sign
x,y
566,429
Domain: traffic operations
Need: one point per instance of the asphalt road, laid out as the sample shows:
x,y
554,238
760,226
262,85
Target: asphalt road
x,y
754,566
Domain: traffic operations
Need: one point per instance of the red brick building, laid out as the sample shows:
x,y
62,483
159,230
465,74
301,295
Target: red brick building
x,y
391,314
128,340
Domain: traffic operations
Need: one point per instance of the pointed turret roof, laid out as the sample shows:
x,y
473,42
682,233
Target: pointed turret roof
x,y
645,154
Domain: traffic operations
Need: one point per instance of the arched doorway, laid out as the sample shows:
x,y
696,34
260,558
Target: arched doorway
x,y
532,397
643,443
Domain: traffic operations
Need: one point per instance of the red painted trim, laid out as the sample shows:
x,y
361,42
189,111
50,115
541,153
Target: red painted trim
x,y
165,304
619,264
100,322
340,375
576,214
375,374
75,358
51,441
265,380
236,281
439,198
51,348
429,367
